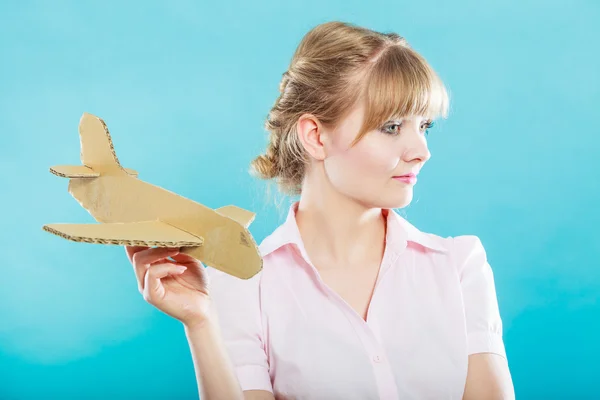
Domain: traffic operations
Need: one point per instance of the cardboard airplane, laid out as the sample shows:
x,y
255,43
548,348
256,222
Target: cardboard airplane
x,y
135,213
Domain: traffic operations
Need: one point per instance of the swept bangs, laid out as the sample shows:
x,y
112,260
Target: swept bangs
x,y
401,83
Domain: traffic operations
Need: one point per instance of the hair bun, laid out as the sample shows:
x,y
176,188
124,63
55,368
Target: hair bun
x,y
264,166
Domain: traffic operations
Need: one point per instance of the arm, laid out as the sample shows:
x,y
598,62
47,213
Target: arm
x,y
488,377
180,288
214,372
229,353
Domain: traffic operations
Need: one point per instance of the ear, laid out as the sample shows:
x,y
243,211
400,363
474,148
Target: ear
x,y
311,135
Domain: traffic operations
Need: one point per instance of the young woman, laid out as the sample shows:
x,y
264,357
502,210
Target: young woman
x,y
353,301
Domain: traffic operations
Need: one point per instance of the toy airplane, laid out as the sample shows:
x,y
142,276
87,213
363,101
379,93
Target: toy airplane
x,y
133,212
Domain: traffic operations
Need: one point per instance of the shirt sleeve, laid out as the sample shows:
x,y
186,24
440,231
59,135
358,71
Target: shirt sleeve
x,y
483,321
237,304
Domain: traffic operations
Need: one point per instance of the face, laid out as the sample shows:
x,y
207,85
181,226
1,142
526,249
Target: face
x,y
371,171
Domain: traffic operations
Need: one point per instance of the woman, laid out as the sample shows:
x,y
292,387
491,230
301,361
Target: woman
x,y
353,302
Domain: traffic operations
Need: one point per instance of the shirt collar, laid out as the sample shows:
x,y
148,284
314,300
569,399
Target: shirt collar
x,y
399,232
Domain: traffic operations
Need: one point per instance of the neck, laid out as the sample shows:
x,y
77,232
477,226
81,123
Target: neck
x,y
337,231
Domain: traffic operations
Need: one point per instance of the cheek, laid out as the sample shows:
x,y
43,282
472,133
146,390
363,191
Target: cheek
x,y
375,156
370,160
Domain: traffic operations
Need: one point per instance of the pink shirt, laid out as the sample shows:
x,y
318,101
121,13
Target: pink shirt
x,y
434,304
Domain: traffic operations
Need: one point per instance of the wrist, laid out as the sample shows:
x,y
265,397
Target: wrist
x,y
200,319
199,325
202,333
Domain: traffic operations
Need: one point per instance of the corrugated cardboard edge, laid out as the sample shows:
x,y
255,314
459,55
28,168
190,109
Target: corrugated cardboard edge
x,y
120,242
91,174
110,142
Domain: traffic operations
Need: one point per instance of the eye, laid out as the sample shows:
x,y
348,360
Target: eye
x,y
392,129
427,125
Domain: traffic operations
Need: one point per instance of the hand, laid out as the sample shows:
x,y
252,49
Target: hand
x,y
178,288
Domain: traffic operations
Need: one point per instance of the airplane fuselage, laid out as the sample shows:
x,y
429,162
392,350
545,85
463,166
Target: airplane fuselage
x,y
117,197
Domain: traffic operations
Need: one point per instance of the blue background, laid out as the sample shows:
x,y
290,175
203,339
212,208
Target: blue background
x,y
184,88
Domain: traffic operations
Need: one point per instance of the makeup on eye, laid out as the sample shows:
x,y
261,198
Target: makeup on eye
x,y
428,124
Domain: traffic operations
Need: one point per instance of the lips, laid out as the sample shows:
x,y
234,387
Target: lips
x,y
408,178
410,175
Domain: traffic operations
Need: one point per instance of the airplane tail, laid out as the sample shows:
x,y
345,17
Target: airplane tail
x,y
97,151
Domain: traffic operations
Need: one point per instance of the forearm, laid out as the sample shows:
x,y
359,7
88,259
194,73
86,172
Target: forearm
x,y
214,373
488,377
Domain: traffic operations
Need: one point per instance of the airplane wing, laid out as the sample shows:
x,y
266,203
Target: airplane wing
x,y
81,171
146,233
72,171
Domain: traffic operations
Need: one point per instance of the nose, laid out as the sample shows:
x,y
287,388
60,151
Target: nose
x,y
416,148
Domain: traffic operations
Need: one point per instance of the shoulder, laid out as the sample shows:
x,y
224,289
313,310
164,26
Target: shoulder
x,y
467,251
272,241
466,243
463,252
284,234
458,250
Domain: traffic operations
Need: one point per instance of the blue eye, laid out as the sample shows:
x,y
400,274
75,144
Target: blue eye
x,y
394,128
428,125
392,132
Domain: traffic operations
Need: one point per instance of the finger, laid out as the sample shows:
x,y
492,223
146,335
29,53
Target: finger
x,y
143,259
184,258
152,255
153,287
131,250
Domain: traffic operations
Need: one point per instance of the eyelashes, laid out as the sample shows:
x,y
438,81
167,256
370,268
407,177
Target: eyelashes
x,y
398,125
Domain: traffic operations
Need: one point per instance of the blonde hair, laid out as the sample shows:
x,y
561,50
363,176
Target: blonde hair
x,y
335,65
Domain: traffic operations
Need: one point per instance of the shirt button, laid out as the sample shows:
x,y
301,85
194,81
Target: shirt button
x,y
377,358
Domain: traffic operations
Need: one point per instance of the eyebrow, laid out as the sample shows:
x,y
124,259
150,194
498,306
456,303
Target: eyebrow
x,y
397,118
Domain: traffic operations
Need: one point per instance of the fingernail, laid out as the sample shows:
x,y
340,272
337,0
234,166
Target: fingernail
x,y
181,269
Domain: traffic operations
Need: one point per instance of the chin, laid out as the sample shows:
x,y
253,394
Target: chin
x,y
395,203
395,200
